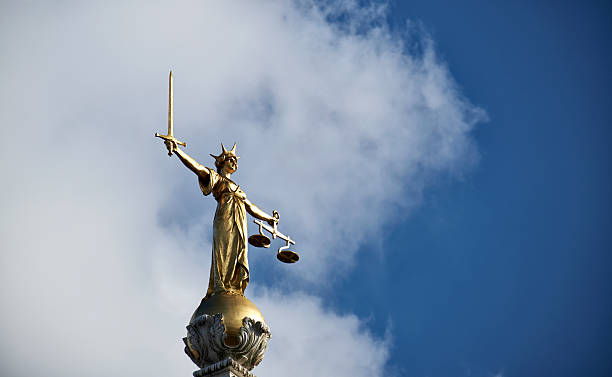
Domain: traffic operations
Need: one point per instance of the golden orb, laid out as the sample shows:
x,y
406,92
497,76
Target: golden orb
x,y
234,308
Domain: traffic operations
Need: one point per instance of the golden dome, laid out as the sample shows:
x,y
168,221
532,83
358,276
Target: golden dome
x,y
234,308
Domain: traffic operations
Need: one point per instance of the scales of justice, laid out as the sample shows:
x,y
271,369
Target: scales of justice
x,y
227,334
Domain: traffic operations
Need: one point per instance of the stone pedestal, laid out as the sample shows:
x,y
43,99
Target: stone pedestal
x,y
224,368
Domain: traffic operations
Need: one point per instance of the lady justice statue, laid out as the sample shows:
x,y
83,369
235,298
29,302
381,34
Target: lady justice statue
x,y
226,325
229,270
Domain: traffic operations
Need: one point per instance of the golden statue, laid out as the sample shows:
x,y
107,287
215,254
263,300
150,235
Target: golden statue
x,y
226,325
229,270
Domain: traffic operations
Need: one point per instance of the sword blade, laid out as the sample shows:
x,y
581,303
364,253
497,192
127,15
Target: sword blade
x,y
170,107
170,136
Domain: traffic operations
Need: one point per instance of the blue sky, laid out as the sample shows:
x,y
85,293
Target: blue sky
x,y
444,168
509,270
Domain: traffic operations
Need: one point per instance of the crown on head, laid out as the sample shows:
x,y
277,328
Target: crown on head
x,y
224,154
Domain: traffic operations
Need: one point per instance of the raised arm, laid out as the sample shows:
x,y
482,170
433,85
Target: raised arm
x,y
187,160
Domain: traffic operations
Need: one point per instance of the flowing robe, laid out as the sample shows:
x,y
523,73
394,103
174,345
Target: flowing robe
x,y
229,269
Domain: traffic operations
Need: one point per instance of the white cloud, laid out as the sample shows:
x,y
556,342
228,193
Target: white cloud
x,y
314,342
105,240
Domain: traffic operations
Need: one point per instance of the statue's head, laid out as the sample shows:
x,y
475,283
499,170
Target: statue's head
x,y
227,159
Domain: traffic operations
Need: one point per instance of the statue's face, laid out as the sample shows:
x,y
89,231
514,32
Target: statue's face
x,y
230,164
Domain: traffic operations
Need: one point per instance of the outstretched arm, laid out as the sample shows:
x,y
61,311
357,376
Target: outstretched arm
x,y
200,170
258,213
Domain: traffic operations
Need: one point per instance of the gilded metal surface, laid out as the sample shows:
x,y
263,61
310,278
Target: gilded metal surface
x,y
234,308
260,240
226,323
287,256
229,266
170,137
229,270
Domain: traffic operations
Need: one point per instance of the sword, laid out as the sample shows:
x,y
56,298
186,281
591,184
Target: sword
x,y
170,136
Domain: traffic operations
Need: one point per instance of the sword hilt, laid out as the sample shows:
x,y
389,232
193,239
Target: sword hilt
x,y
170,138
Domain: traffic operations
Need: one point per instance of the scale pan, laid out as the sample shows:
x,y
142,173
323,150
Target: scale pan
x,y
287,256
259,240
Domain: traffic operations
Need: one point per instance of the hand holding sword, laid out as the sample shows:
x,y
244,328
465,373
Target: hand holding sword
x,y
169,140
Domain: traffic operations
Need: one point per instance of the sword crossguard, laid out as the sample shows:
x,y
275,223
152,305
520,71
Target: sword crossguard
x,y
170,138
